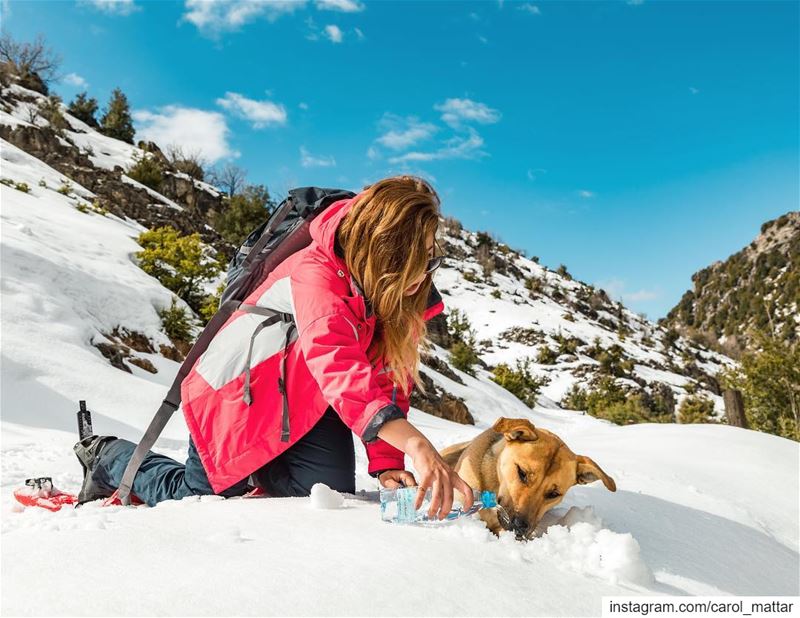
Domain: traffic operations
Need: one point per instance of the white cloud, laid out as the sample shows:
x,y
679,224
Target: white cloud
x,y
641,295
343,6
400,133
483,39
221,15
617,289
458,147
586,194
195,130
534,174
465,142
113,7
309,160
302,105
334,33
693,90
359,34
73,79
456,111
529,8
260,113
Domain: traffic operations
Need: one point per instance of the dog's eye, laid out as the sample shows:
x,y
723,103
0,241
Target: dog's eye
x,y
523,476
552,494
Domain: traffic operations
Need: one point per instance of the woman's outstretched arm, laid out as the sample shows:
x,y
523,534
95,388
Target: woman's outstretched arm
x,y
433,472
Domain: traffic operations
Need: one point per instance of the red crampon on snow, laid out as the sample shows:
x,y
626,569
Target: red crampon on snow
x,y
41,492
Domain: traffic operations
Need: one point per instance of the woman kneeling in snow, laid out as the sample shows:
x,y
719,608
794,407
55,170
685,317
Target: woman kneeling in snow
x,y
359,296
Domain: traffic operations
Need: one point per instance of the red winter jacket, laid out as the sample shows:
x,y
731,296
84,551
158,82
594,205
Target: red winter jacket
x,y
326,365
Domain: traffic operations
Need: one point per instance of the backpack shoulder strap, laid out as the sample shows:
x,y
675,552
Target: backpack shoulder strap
x,y
173,399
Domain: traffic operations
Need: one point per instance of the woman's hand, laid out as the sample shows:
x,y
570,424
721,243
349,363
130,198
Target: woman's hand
x,y
434,473
392,479
440,478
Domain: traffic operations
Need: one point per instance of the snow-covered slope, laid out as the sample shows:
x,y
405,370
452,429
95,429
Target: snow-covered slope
x,y
107,166
512,322
700,509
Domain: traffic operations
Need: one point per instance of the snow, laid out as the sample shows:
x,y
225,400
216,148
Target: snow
x,y
587,547
68,277
103,151
700,509
154,194
323,497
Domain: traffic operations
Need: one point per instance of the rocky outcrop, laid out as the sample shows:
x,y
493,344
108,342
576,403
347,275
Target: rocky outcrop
x,y
437,331
438,402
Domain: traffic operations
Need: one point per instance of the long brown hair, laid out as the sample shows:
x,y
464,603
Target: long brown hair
x,y
384,238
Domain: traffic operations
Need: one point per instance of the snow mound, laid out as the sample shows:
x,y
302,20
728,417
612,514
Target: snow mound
x,y
323,497
576,543
586,547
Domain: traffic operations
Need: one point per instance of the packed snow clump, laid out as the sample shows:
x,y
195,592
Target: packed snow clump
x,y
323,497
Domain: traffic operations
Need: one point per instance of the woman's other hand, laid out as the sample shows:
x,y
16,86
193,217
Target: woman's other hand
x,y
393,479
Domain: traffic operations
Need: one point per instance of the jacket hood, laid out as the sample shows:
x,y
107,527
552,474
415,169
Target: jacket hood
x,y
323,232
323,228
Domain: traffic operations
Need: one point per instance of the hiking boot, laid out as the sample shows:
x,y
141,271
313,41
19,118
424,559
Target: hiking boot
x,y
88,452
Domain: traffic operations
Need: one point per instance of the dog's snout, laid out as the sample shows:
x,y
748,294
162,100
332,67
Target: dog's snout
x,y
520,525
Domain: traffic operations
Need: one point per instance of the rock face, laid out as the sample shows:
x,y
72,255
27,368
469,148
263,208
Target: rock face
x,y
437,331
438,402
757,288
120,346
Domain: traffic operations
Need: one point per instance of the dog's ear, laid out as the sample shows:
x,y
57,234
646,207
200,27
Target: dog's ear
x,y
520,429
588,471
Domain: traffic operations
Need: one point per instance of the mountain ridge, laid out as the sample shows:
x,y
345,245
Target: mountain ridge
x,y
756,289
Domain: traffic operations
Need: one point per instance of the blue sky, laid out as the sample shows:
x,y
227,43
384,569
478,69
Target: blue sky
x,y
635,142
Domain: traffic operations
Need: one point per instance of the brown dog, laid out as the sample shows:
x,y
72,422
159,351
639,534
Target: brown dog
x,y
529,469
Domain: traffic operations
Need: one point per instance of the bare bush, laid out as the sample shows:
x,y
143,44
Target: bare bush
x,y
189,162
230,178
485,257
452,226
29,60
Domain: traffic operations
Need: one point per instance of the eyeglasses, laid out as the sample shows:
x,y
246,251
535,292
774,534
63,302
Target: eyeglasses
x,y
436,261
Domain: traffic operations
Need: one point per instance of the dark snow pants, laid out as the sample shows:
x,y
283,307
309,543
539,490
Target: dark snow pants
x,y
324,455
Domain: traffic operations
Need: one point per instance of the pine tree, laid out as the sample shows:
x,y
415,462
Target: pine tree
x,y
463,353
242,213
769,379
84,109
117,122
